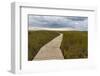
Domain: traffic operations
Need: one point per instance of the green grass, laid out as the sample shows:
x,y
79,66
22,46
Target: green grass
x,y
75,44
36,39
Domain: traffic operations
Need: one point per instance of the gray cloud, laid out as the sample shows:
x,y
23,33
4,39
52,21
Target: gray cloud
x,y
76,22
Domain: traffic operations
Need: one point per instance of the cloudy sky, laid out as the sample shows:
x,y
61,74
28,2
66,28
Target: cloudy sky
x,y
75,22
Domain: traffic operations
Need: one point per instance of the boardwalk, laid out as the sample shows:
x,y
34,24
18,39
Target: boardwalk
x,y
51,50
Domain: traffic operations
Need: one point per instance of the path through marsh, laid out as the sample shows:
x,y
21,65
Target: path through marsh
x,y
51,50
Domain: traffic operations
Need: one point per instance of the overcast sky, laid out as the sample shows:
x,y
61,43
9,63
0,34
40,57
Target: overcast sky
x,y
75,22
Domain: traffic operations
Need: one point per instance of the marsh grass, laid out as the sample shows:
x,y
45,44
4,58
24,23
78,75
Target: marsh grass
x,y
37,39
74,44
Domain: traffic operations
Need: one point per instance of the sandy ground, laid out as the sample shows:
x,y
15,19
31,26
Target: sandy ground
x,y
51,50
